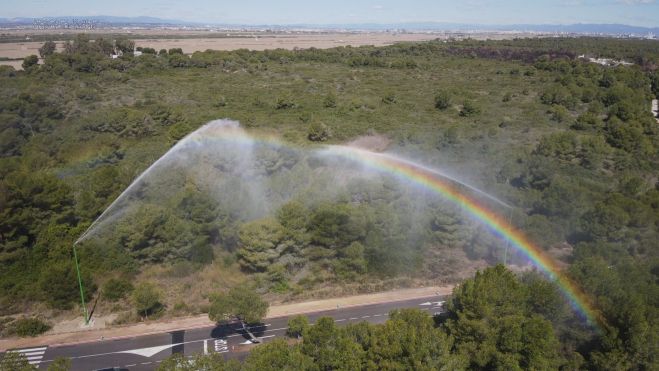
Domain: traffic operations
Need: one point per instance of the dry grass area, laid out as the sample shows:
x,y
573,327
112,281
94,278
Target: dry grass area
x,y
253,41
302,41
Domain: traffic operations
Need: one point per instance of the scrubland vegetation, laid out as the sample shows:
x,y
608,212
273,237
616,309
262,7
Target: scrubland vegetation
x,y
571,145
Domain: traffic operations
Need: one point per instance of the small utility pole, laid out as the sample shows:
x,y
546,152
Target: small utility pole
x,y
82,292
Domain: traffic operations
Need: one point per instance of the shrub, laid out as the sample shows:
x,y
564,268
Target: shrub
x,y
47,49
389,98
29,61
318,132
285,103
442,100
469,109
29,327
559,113
116,288
175,51
146,298
297,325
330,101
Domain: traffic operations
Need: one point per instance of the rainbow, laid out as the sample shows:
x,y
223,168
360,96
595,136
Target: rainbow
x,y
428,178
419,175
447,188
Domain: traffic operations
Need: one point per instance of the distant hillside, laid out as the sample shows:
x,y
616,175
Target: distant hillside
x,y
101,20
583,28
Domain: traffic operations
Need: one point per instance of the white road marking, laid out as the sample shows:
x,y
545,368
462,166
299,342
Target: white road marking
x,y
150,351
376,315
133,365
31,349
339,320
205,346
426,303
221,346
353,318
32,355
365,316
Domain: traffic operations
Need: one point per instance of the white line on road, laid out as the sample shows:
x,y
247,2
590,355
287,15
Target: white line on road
x,y
31,349
33,353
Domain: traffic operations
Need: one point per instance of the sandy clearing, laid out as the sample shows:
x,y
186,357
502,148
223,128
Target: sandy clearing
x,y
23,49
18,65
92,334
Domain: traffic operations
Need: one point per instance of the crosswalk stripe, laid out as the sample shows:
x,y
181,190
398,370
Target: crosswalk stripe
x,y
30,349
33,353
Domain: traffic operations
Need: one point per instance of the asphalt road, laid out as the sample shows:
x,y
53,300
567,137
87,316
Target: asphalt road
x,y
146,352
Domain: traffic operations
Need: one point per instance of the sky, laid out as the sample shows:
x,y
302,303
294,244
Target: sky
x,y
631,12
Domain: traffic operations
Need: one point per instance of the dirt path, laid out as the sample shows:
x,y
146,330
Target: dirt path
x,y
93,334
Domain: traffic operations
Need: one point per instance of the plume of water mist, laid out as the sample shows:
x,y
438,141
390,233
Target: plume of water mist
x,y
186,143
427,169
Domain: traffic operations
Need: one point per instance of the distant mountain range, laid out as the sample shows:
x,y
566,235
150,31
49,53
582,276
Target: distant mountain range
x,y
143,21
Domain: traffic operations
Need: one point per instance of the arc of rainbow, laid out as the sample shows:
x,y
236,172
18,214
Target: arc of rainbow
x,y
429,179
432,181
577,298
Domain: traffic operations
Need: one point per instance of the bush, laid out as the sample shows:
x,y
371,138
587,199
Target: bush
x,y
47,49
178,60
389,98
469,109
29,327
330,101
297,326
29,61
442,100
559,113
175,51
318,132
285,103
117,288
146,298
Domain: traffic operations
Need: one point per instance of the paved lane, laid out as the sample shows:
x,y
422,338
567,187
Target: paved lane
x,y
146,352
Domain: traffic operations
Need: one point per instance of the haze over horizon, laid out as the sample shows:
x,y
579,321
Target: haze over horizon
x,y
643,13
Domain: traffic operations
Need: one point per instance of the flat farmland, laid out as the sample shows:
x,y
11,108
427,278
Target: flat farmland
x,y
191,43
